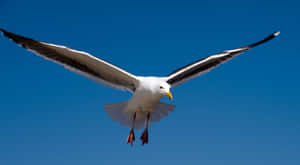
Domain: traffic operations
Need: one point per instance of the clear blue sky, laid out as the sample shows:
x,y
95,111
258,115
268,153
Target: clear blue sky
x,y
245,112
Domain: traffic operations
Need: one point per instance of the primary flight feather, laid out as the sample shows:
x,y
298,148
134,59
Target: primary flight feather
x,y
144,106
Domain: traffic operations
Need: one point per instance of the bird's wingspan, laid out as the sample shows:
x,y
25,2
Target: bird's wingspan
x,y
80,62
204,65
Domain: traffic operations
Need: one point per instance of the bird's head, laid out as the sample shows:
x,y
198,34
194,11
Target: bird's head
x,y
164,90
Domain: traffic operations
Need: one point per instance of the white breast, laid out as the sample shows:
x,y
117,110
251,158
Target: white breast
x,y
146,97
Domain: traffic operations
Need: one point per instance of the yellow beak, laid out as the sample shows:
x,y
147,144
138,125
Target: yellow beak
x,y
169,94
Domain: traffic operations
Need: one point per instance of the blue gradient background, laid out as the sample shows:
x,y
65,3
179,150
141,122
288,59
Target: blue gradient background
x,y
245,112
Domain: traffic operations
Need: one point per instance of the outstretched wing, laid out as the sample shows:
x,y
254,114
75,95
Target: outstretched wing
x,y
204,65
79,62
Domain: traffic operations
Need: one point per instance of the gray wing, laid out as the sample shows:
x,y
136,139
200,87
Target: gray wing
x,y
79,62
204,65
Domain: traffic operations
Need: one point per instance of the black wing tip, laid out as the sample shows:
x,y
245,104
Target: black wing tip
x,y
6,33
3,31
20,40
273,35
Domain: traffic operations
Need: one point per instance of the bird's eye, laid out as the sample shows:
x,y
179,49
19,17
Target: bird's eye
x,y
161,87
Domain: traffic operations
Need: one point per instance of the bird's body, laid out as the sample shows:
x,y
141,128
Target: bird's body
x,y
144,106
144,100
147,94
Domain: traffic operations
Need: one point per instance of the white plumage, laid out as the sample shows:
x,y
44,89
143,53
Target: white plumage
x,y
144,106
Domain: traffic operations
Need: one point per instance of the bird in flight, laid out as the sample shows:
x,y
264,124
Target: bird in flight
x,y
144,106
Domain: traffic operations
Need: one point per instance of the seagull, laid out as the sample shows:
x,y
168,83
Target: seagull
x,y
144,107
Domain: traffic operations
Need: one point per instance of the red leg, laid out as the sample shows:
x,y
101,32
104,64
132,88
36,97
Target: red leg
x,y
145,136
131,136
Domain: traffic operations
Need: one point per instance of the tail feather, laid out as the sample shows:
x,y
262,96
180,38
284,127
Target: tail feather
x,y
162,110
117,113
